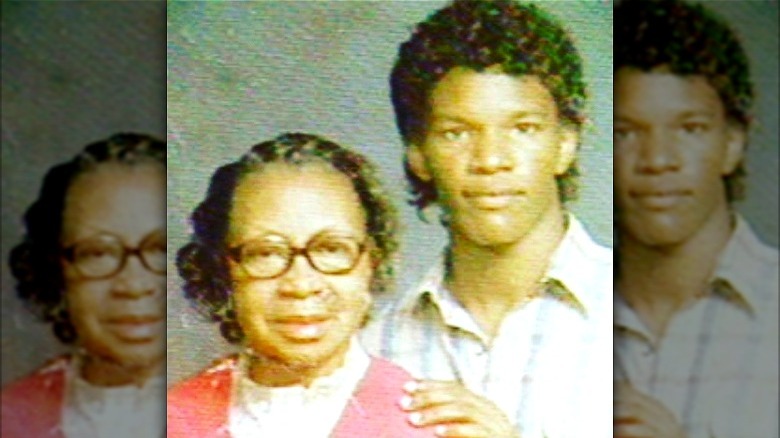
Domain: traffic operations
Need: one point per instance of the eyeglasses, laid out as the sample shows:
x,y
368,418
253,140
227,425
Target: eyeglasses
x,y
272,255
105,255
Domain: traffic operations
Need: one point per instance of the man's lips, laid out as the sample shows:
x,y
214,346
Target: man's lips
x,y
492,199
659,199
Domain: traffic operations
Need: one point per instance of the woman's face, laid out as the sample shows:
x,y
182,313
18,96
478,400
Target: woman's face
x,y
118,318
301,317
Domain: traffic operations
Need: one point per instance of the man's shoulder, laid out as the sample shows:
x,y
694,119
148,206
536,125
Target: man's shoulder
x,y
589,249
750,262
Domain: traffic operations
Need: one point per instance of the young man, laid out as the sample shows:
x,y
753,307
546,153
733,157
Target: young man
x,y
511,331
696,292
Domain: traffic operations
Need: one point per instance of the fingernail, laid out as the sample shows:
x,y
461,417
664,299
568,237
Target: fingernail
x,y
411,386
406,402
415,418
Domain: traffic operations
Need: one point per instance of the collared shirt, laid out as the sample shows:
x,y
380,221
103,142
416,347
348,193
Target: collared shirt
x,y
549,368
124,411
295,410
716,366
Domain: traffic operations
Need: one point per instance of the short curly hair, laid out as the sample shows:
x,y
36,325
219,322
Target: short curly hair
x,y
36,261
202,262
688,40
479,35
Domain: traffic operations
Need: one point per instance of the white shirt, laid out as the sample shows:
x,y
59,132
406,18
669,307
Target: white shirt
x,y
295,411
549,368
112,412
716,368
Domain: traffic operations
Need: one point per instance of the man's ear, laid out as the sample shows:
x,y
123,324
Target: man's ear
x,y
735,149
567,151
417,162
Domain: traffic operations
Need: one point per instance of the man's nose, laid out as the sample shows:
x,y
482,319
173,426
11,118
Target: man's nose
x,y
491,153
658,153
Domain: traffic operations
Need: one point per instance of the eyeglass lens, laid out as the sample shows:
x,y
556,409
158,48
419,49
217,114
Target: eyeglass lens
x,y
271,256
105,255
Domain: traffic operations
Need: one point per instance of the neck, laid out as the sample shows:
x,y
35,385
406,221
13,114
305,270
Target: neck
x,y
492,281
659,281
269,371
100,371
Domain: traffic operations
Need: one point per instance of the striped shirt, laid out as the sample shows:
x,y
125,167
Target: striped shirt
x,y
716,368
549,368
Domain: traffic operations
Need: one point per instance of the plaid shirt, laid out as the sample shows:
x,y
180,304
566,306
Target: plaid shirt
x,y
716,368
549,368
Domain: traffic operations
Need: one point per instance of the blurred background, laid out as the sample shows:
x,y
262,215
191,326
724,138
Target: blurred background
x,y
72,73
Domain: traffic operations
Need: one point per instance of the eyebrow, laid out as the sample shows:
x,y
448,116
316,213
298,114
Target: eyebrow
x,y
684,115
518,115
704,112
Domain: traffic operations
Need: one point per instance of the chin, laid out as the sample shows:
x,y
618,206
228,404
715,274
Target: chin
x,y
659,235
306,360
491,233
140,356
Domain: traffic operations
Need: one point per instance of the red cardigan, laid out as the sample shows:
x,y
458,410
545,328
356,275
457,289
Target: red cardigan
x,y
32,406
199,407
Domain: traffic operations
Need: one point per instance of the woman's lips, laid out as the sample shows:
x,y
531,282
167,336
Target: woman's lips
x,y
302,328
136,328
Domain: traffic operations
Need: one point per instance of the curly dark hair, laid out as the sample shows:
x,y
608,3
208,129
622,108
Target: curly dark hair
x,y
478,35
36,261
688,40
202,262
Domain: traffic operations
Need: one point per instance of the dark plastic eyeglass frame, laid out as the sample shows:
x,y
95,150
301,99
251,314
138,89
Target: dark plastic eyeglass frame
x,y
68,253
295,251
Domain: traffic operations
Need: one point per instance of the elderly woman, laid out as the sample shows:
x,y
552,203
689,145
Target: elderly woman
x,y
288,247
92,264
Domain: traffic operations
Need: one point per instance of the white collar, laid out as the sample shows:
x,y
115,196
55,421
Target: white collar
x,y
356,363
576,245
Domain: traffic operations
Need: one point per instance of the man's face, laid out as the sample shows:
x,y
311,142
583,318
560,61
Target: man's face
x,y
673,145
493,148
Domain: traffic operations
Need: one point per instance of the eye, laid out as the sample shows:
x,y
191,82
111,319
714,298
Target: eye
x,y
265,251
155,246
454,135
527,127
94,251
694,127
623,133
331,247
